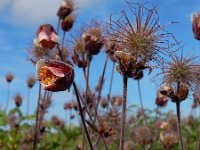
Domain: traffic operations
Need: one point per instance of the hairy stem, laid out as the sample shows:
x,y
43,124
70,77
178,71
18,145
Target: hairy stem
x,y
123,120
82,117
37,117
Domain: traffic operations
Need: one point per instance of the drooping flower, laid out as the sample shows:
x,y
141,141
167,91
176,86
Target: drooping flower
x,y
54,75
196,25
47,37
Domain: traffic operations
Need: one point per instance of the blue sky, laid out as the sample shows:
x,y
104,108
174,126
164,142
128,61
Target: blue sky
x,y
21,18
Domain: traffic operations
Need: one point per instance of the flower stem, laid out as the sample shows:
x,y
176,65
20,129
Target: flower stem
x,y
82,117
141,101
179,126
111,81
123,120
28,98
178,113
8,97
37,117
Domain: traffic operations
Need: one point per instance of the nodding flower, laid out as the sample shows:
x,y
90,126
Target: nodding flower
x,y
195,17
54,75
47,37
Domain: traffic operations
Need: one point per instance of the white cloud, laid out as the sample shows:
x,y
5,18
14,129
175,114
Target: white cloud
x,y
34,11
40,11
3,4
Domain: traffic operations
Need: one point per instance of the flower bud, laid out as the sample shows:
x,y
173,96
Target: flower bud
x,y
67,23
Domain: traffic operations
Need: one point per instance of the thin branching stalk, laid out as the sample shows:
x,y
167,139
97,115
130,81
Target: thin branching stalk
x,y
63,40
198,144
123,119
141,101
88,76
111,81
179,119
37,117
8,97
82,117
58,25
101,84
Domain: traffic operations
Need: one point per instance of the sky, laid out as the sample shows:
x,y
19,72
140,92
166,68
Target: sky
x,y
21,18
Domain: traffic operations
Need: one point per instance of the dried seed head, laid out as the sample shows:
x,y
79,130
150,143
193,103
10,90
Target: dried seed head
x,y
143,135
139,38
183,70
110,48
93,39
161,100
57,122
169,91
75,106
47,37
104,103
195,17
13,121
67,6
79,52
68,106
9,77
190,120
129,145
18,100
78,147
31,81
42,127
55,75
168,139
67,23
72,116
183,92
116,101
29,135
